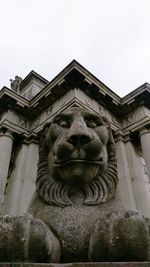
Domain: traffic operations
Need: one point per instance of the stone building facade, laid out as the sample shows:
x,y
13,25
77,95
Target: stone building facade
x,y
33,101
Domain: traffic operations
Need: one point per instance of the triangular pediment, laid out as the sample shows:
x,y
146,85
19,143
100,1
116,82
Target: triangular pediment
x,y
73,76
76,76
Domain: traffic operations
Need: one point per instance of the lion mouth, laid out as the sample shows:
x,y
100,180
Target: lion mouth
x,y
79,160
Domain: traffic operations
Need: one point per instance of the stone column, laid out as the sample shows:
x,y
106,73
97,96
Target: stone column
x,y
145,142
29,180
6,143
139,183
14,189
125,183
22,182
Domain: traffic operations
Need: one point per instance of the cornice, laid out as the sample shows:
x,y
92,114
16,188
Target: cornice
x,y
12,100
14,95
13,128
135,93
137,98
32,74
137,124
74,76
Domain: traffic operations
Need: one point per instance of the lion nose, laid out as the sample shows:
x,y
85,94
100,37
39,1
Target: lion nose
x,y
79,139
78,134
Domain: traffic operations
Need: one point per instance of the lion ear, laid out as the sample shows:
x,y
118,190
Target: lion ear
x,y
107,124
43,134
106,121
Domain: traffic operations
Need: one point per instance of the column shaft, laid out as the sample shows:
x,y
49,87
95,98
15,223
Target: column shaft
x,y
29,180
145,142
14,189
22,183
6,143
140,186
125,183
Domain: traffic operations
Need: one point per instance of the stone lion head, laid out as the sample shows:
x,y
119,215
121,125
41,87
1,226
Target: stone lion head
x,y
77,150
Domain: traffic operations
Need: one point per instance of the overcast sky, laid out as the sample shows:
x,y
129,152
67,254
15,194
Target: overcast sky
x,y
111,38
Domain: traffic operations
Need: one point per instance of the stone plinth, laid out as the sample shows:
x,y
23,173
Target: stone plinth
x,y
82,264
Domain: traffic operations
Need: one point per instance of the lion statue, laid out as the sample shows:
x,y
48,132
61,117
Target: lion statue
x,y
76,212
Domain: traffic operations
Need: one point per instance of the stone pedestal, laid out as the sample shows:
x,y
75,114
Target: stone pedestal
x,y
82,264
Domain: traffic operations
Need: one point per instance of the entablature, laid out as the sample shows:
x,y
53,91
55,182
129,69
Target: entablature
x,y
73,86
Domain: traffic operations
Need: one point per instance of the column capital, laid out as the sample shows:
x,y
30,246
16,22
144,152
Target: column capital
x,y
6,132
32,138
118,136
127,137
144,130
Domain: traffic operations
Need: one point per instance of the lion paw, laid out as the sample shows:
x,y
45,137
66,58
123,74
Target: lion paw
x,y
120,237
23,238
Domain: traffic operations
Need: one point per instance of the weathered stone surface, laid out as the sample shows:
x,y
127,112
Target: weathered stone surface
x,y
120,236
92,264
14,84
24,238
77,212
26,117
76,187
77,150
77,173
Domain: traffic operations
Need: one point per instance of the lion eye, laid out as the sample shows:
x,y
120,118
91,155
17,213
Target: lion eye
x,y
91,124
64,123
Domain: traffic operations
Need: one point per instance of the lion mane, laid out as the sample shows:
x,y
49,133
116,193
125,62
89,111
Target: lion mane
x,y
56,192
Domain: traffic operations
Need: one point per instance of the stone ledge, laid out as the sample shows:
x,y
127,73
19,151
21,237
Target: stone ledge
x,y
82,264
